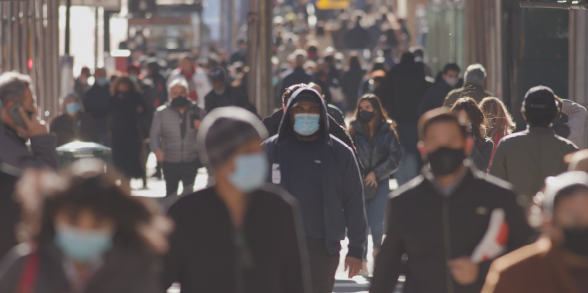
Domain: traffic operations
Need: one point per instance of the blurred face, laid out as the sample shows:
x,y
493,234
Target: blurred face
x,y
187,65
444,134
218,84
365,105
571,211
100,73
450,74
251,147
84,219
123,87
304,108
178,90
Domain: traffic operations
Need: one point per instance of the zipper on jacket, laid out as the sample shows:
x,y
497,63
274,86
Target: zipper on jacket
x,y
447,242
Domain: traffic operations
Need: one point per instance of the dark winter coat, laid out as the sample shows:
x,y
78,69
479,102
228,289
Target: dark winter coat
x,y
434,97
234,98
342,184
206,255
357,38
124,270
64,130
96,105
382,154
432,228
350,83
336,114
9,208
296,76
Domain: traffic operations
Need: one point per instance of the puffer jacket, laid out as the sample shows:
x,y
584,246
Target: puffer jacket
x,y
179,145
382,154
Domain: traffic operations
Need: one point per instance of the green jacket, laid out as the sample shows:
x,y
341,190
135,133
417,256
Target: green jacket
x,y
526,158
470,91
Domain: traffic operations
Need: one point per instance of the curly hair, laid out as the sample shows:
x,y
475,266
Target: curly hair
x,y
500,122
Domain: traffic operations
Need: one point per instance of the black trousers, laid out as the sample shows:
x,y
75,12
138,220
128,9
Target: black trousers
x,y
176,172
323,267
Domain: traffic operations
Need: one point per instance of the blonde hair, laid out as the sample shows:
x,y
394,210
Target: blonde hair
x,y
499,120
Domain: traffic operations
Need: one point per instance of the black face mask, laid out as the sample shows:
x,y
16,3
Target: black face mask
x,y
366,116
179,102
445,161
576,240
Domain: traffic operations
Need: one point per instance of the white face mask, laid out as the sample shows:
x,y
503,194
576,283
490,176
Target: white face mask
x,y
451,81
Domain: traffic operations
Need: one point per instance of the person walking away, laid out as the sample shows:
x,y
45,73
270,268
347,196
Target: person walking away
x,y
357,38
93,236
446,219
95,103
255,240
351,80
435,96
321,172
404,89
223,95
297,75
19,115
473,86
81,83
173,138
198,82
526,158
558,261
73,124
374,135
500,123
333,111
476,121
419,59
126,105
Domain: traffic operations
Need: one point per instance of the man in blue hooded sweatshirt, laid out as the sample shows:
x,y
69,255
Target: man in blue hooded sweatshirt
x,y
321,172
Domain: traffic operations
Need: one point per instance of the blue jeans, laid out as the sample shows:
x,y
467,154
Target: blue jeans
x,y
409,165
375,208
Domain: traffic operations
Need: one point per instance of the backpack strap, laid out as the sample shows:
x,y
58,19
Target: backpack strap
x,y
28,277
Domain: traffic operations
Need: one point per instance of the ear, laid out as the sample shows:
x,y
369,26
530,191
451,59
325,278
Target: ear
x,y
422,149
469,145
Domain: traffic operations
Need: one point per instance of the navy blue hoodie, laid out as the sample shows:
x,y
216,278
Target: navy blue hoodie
x,y
342,187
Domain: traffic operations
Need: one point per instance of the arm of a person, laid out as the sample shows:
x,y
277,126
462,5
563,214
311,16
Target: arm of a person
x,y
156,131
388,166
498,167
498,282
388,263
352,201
576,118
43,149
294,267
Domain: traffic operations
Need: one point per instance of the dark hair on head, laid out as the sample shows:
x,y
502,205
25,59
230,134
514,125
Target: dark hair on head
x,y
378,66
353,61
567,192
289,91
476,117
380,111
391,39
442,114
419,52
92,186
312,48
540,117
85,70
451,67
123,79
133,67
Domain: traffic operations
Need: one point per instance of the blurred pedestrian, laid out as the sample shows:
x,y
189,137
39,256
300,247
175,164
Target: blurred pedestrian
x,y
576,122
373,83
198,83
440,219
83,233
223,94
322,173
158,90
73,124
333,111
526,158
474,78
558,261
476,121
19,115
173,138
126,105
419,59
405,87
96,105
357,37
340,33
241,54
296,75
435,96
351,80
375,138
81,83
500,123
253,235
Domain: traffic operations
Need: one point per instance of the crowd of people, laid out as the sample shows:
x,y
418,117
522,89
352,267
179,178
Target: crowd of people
x,y
478,208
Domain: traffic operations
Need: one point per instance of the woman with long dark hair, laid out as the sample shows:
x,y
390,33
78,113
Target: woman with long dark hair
x,y
126,105
83,232
376,140
483,146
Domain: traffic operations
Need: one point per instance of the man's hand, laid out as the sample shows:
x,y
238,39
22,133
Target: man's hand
x,y
354,265
197,124
464,271
34,126
370,179
159,155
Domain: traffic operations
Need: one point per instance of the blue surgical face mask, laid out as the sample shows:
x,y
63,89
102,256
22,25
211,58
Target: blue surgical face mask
x,y
306,124
102,81
72,108
134,77
275,80
470,126
250,172
82,245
